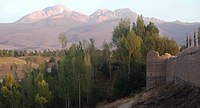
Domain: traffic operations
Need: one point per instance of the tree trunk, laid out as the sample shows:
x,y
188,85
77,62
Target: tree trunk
x,y
68,102
65,98
87,98
110,70
129,68
94,71
79,90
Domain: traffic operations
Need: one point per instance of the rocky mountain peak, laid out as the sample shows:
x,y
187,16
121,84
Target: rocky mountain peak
x,y
102,15
122,10
125,12
45,13
101,12
57,9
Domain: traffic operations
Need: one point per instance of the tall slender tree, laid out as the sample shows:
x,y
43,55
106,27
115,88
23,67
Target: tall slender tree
x,y
67,77
199,36
107,57
140,30
133,44
195,39
190,41
87,83
62,40
187,45
121,30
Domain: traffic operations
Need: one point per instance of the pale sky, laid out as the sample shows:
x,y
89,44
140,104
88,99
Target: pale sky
x,y
168,10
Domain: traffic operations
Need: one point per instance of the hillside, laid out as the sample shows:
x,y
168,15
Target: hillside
x,y
7,62
40,29
164,96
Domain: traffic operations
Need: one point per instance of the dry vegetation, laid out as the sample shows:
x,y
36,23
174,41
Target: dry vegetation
x,y
5,65
10,60
165,96
7,62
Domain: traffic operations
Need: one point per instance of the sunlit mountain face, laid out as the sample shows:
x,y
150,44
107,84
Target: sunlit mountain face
x,y
40,29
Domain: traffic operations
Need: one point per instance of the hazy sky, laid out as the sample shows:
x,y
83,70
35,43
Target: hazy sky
x,y
169,10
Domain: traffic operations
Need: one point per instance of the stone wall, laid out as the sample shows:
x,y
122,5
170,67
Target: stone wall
x,y
185,67
156,68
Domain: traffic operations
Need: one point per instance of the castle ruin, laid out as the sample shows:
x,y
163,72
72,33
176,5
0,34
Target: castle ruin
x,y
182,68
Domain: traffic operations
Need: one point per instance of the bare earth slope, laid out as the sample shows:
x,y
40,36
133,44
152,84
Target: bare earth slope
x,y
165,96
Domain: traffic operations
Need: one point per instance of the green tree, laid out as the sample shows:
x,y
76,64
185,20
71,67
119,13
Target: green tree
x,y
95,57
63,40
152,29
67,77
77,62
76,75
187,41
199,36
190,41
121,30
29,88
140,30
107,55
44,95
30,83
11,91
150,40
87,82
133,44
169,46
195,40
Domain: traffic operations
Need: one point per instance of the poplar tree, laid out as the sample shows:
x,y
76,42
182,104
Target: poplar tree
x,y
121,30
140,30
190,41
187,40
107,57
87,83
199,36
195,40
133,44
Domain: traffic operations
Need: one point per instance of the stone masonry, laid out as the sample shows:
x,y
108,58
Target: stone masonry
x,y
185,67
156,68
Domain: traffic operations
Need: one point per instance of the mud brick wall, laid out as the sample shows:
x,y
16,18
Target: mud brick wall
x,y
184,67
156,68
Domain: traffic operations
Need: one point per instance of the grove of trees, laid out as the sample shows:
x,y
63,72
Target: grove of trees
x,y
85,75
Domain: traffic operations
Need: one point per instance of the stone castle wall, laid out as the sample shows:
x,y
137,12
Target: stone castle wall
x,y
156,68
185,67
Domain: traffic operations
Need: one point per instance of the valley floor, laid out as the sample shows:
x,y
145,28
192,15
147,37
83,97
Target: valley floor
x,y
164,96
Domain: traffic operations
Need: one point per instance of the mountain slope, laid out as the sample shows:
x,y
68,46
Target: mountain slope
x,y
55,12
102,15
177,30
41,28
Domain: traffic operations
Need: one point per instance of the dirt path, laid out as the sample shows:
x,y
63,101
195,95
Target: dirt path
x,y
126,105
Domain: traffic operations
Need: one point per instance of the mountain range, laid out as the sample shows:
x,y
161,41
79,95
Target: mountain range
x,y
40,29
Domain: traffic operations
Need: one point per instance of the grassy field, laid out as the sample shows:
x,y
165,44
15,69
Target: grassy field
x,y
7,62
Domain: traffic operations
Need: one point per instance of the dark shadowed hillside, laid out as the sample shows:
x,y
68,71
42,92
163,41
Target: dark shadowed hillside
x,y
165,96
